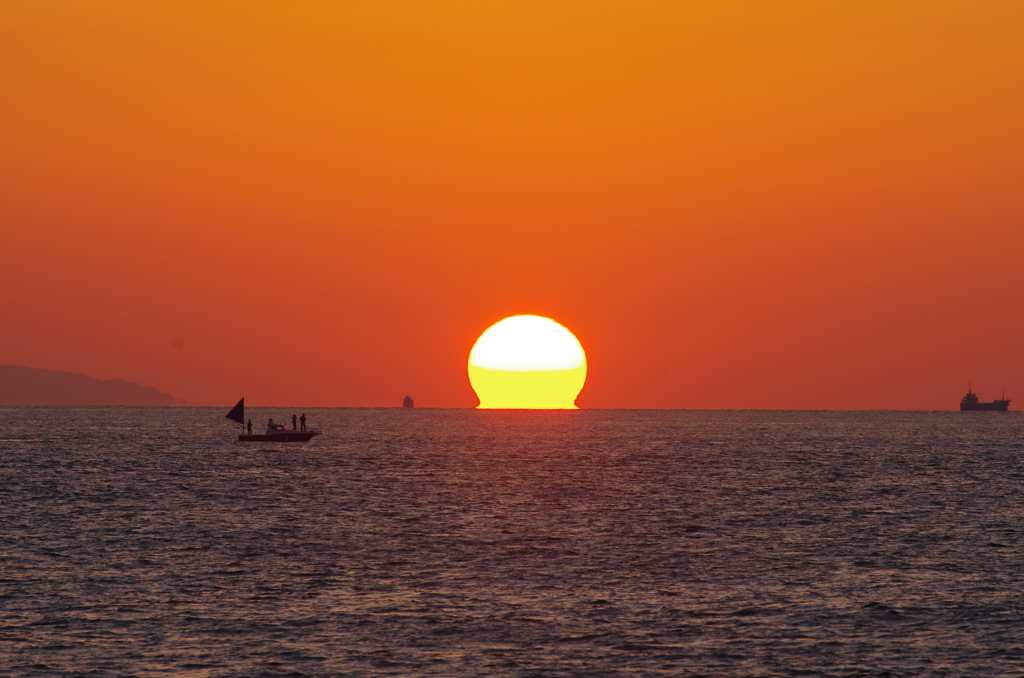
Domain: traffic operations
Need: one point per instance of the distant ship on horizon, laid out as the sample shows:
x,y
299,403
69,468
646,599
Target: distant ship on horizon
x,y
970,403
407,402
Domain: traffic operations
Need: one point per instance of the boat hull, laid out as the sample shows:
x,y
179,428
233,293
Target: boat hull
x,y
997,406
282,437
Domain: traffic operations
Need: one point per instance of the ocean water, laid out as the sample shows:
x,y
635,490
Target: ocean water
x,y
147,542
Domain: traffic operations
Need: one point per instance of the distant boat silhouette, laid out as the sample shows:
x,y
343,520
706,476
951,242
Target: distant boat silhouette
x,y
970,403
276,433
407,402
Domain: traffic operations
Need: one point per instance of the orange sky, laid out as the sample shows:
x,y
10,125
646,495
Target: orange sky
x,y
732,204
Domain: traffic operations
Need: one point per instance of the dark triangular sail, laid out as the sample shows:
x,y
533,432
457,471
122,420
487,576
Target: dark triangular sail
x,y
237,412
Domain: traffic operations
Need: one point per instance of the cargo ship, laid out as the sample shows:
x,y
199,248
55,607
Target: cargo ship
x,y
970,403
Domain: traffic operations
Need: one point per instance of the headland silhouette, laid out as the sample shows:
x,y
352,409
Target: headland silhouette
x,y
34,386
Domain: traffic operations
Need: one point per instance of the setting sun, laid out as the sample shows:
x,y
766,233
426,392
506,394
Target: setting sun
x,y
527,362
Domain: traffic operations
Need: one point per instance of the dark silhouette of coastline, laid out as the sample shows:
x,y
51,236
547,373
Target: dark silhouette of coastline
x,y
34,386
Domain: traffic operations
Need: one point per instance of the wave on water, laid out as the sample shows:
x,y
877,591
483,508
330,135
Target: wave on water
x,y
142,541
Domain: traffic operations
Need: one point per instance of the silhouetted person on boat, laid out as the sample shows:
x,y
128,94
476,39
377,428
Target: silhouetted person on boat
x,y
294,426
302,420
250,427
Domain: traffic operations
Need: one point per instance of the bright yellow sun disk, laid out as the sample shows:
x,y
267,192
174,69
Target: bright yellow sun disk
x,y
527,362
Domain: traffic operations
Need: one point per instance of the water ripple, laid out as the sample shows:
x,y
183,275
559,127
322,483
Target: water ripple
x,y
144,541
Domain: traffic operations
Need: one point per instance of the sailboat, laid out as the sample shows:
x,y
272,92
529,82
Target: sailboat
x,y
276,433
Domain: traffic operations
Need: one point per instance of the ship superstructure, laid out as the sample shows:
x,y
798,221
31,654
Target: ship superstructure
x,y
970,403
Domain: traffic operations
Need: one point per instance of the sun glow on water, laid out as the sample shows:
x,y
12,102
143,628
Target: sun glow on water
x,y
527,362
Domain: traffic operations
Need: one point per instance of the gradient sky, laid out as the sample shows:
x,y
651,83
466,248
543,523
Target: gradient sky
x,y
731,204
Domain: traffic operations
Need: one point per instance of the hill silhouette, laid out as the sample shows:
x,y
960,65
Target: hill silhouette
x,y
34,386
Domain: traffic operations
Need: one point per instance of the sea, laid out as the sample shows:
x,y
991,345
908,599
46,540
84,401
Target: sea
x,y
445,542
